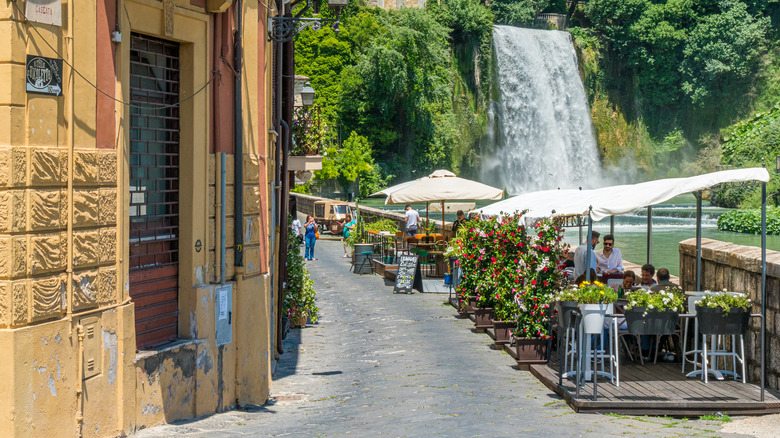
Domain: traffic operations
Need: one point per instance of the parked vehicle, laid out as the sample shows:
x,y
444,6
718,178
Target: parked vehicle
x,y
330,215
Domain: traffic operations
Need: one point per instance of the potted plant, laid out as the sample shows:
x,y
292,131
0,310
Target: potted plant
x,y
542,278
483,313
594,300
565,303
723,313
504,317
299,294
653,313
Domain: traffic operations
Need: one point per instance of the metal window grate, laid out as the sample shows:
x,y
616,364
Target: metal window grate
x,y
154,189
154,153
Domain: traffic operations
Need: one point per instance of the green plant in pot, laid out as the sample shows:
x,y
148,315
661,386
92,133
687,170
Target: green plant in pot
x,y
653,313
594,299
299,294
723,313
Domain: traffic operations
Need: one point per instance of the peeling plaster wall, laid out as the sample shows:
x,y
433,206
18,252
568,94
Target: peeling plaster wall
x,y
39,379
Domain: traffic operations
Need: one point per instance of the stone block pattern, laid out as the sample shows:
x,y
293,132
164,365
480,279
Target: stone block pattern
x,y
737,268
34,208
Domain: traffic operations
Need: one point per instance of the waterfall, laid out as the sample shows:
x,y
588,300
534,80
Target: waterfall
x,y
540,134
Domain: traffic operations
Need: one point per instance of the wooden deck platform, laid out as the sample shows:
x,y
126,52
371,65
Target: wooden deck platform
x,y
656,389
661,389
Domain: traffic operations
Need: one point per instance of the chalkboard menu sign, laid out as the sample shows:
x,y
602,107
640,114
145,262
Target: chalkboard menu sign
x,y
409,275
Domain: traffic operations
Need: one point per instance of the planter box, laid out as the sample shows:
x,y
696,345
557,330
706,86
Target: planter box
x,y
564,309
530,350
471,305
593,317
654,323
483,318
712,321
304,162
501,330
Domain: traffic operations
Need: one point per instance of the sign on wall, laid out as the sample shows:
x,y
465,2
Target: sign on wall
x,y
44,75
44,11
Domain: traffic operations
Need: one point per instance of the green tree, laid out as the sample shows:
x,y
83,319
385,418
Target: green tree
x,y
517,12
353,160
723,53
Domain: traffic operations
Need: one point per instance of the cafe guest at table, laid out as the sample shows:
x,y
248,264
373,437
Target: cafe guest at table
x,y
458,222
609,259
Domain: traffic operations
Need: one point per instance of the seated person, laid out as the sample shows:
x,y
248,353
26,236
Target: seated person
x,y
569,263
609,259
580,265
663,282
629,281
458,223
648,271
581,278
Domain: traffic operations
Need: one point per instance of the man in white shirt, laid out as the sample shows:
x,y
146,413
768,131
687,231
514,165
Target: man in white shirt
x,y
610,260
579,256
411,220
296,230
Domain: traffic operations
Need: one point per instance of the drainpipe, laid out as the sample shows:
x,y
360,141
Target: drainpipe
x,y
278,195
222,218
282,233
239,149
80,390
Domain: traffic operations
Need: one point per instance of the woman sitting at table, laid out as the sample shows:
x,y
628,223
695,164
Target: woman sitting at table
x,y
609,259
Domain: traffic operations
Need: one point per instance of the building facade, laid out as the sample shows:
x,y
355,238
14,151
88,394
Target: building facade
x,y
135,235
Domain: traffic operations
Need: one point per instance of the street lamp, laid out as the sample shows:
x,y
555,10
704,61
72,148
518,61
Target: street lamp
x,y
283,28
307,97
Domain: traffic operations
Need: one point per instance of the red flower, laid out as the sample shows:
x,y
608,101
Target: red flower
x,y
533,282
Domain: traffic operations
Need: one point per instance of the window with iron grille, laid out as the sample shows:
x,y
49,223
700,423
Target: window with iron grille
x,y
154,188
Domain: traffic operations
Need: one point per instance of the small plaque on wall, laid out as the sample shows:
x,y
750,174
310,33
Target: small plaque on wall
x,y
44,11
44,75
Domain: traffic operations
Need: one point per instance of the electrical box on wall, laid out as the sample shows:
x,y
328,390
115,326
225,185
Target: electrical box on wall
x,y
93,353
223,312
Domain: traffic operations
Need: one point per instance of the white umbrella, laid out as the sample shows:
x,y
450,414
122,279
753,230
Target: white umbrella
x,y
440,186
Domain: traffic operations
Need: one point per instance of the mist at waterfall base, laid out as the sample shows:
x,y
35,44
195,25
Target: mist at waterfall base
x,y
539,132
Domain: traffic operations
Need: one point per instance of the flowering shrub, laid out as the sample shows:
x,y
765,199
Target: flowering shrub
x,y
514,272
595,293
656,301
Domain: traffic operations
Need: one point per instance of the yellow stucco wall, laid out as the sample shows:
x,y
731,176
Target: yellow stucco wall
x,y
64,234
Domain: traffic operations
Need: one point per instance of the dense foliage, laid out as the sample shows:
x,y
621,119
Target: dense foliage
x,y
514,272
749,221
299,293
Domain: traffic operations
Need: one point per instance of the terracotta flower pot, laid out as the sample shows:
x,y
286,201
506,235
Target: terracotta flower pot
x,y
501,330
299,321
472,305
531,350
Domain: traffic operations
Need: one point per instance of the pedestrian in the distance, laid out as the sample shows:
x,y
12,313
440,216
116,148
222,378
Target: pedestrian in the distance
x,y
311,238
297,231
411,220
349,225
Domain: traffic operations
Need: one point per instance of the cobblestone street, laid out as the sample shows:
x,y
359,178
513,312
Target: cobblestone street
x,y
379,364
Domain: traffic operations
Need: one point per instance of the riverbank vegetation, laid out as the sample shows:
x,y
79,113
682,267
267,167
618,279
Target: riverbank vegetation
x,y
678,87
675,87
749,221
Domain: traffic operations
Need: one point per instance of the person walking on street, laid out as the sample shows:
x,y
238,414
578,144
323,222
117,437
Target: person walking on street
x,y
297,230
411,220
311,238
348,224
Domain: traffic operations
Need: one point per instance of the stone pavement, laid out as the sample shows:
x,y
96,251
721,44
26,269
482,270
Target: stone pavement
x,y
378,364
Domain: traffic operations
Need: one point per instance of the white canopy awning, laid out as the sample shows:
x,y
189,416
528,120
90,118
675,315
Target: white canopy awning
x,y
441,185
615,200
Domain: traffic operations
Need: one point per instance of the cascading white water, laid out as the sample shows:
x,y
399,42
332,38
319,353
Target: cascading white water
x,y
541,134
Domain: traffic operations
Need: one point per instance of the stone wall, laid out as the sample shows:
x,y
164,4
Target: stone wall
x,y
738,268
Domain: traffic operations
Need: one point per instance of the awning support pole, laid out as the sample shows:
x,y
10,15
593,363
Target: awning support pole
x,y
649,234
442,220
589,247
612,225
763,289
698,240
